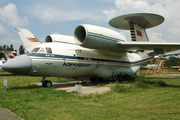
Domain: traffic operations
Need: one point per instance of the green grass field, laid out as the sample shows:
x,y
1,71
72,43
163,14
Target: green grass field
x,y
146,98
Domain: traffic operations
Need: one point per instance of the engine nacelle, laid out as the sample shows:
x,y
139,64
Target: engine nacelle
x,y
95,37
60,38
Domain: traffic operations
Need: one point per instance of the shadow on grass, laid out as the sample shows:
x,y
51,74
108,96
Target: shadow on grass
x,y
63,84
161,84
25,87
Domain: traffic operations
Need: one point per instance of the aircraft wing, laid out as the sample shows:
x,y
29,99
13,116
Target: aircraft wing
x,y
160,48
173,53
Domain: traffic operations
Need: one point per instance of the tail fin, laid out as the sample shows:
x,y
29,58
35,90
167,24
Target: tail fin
x,y
138,33
28,39
137,23
9,54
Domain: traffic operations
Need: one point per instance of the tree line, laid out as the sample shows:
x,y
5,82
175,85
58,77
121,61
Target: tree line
x,y
172,61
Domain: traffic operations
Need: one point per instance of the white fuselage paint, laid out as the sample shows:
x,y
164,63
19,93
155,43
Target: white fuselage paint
x,y
71,60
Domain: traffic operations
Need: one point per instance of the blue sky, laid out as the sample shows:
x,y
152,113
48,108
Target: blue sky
x,y
45,17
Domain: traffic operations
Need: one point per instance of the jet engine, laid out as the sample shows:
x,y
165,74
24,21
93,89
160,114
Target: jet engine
x,y
60,38
95,37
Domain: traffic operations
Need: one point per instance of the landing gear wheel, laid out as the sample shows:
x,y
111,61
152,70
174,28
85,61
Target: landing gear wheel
x,y
127,77
120,78
47,83
99,79
93,79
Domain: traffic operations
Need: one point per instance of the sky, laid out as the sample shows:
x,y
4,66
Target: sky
x,y
44,17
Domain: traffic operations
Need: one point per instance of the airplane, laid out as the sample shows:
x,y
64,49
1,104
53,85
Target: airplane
x,y
9,55
94,52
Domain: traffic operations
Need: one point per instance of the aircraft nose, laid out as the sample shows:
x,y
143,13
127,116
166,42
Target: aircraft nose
x,y
19,65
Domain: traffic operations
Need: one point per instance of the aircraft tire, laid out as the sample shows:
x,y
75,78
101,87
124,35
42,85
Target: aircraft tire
x,y
127,77
93,79
120,78
100,79
47,83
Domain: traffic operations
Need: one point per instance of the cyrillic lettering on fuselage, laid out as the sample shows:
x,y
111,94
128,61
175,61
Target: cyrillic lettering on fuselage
x,y
77,64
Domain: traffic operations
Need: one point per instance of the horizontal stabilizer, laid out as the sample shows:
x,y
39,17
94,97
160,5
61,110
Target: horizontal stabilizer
x,y
9,54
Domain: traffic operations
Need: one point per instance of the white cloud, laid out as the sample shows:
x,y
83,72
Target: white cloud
x,y
156,37
4,34
48,14
9,15
168,31
6,39
126,34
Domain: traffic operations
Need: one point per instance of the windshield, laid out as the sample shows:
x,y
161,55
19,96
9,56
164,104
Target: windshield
x,y
42,50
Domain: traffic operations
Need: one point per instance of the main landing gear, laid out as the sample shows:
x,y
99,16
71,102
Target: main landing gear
x,y
46,83
121,78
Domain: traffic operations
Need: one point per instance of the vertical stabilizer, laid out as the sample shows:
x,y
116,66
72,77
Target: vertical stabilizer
x,y
137,23
28,39
138,33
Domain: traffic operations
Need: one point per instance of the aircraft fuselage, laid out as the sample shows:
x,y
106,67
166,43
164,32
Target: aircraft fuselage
x,y
71,60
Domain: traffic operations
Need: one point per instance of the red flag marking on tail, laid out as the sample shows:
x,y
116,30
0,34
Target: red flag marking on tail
x,y
139,33
32,39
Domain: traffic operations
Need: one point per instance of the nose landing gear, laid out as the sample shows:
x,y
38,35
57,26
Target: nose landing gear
x,y
46,83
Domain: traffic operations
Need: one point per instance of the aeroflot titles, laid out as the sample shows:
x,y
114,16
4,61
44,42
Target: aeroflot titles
x,y
77,64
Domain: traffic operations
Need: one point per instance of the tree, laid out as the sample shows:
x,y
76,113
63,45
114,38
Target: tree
x,y
4,47
11,48
172,61
21,50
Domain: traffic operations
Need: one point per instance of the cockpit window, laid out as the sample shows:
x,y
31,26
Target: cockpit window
x,y
42,50
48,50
35,50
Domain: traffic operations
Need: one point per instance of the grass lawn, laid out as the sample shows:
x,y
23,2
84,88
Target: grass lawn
x,y
147,98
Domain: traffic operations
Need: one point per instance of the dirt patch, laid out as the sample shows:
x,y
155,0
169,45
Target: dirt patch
x,y
90,88
86,90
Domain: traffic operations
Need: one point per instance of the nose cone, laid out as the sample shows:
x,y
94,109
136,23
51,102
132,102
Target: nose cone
x,y
19,65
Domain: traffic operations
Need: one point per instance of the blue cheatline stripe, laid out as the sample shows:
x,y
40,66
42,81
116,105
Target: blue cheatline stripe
x,y
82,58
105,37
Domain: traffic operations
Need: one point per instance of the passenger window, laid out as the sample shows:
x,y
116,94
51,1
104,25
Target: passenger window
x,y
48,50
42,50
35,50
